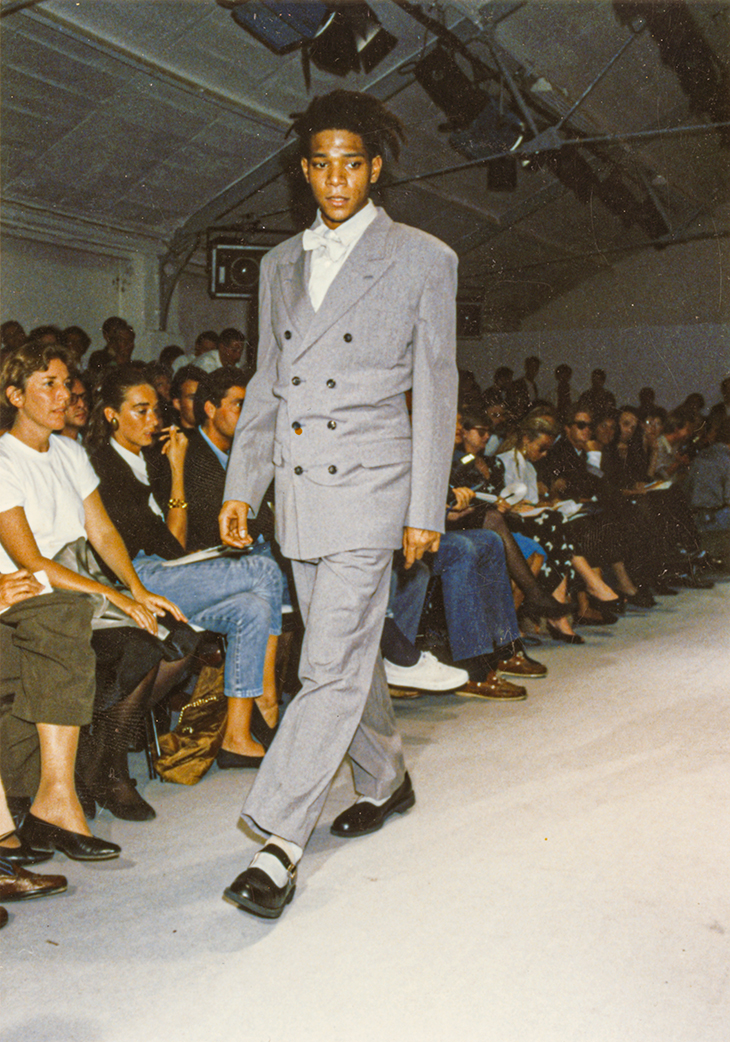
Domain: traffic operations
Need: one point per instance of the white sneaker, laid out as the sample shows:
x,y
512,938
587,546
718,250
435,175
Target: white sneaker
x,y
428,674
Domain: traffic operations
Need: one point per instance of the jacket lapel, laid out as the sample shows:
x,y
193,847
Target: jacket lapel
x,y
292,276
367,263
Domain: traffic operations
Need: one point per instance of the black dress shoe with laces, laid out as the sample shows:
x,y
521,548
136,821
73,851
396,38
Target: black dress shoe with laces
x,y
363,818
256,892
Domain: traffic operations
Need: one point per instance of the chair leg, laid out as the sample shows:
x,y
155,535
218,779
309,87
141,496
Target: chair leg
x,y
152,749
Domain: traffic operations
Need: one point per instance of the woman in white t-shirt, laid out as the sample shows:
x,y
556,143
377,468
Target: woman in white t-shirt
x,y
48,499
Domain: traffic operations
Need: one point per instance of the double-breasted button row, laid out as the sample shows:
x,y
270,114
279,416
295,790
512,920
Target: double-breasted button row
x,y
347,338
331,383
296,380
287,334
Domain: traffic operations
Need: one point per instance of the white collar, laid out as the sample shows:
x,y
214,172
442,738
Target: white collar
x,y
351,230
135,461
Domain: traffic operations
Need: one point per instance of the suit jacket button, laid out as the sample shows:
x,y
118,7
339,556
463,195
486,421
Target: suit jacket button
x,y
298,470
332,469
332,425
287,334
296,380
330,383
347,338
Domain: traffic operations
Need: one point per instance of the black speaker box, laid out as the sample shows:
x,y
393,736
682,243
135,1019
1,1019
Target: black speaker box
x,y
233,270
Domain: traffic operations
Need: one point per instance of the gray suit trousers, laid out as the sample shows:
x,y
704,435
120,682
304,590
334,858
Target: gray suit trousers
x,y
343,706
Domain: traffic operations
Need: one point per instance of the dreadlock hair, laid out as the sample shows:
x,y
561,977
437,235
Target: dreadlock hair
x,y
380,129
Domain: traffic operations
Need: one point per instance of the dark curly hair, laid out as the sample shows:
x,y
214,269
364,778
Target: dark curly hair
x,y
380,129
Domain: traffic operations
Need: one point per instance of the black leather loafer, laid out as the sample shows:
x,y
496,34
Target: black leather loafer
x,y
42,835
257,893
363,818
227,760
23,854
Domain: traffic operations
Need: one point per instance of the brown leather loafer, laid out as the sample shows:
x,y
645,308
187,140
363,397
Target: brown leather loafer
x,y
521,666
16,884
495,688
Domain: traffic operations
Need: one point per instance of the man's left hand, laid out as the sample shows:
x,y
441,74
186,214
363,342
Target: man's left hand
x,y
417,542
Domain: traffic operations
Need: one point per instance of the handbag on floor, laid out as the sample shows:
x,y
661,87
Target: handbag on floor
x,y
191,747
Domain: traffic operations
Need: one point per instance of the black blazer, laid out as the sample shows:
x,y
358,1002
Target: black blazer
x,y
127,502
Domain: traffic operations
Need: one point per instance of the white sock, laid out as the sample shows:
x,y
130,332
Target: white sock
x,y
371,799
270,863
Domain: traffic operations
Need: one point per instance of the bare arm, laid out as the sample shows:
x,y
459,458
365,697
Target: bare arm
x,y
174,447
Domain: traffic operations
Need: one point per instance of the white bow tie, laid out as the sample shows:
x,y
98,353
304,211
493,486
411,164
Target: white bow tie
x,y
314,239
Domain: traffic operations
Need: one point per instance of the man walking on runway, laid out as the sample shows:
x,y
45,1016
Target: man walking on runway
x,y
354,313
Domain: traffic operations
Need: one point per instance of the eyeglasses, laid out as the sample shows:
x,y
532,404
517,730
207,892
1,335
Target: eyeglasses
x,y
581,424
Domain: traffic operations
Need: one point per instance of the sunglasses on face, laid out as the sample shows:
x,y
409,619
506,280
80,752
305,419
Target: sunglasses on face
x,y
581,424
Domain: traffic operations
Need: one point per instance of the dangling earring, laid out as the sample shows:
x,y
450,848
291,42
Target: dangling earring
x,y
114,423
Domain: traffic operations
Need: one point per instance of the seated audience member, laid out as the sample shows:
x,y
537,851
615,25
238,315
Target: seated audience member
x,y
237,596
77,342
46,694
708,483
499,391
12,336
652,426
469,393
471,471
523,392
49,506
563,391
118,345
77,411
647,401
182,394
499,420
159,376
609,536
169,355
406,666
672,461
231,346
205,343
480,612
217,406
597,400
46,335
565,556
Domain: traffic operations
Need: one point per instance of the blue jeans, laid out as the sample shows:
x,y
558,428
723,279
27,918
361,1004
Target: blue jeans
x,y
237,596
478,601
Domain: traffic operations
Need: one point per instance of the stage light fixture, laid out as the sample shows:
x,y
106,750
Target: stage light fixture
x,y
338,38
450,88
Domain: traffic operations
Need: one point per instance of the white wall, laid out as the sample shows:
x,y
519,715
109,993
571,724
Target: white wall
x,y
657,317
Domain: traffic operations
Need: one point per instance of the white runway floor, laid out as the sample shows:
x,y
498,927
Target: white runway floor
x,y
562,878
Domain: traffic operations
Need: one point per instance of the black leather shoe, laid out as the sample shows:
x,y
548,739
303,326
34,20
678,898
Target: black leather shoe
x,y
260,730
363,818
42,835
256,892
24,854
227,760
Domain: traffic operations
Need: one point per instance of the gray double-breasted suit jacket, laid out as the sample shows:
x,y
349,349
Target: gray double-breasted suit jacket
x,y
326,411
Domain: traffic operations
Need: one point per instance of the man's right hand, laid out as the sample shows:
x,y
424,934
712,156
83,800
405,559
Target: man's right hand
x,y
233,522
18,586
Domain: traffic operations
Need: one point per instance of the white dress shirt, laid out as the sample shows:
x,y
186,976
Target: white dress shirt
x,y
331,247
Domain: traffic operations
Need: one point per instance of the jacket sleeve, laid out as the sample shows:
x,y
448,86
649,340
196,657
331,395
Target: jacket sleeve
x,y
435,382
251,467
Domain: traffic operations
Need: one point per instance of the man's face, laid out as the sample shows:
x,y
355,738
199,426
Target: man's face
x,y
184,404
230,351
579,431
122,344
498,415
340,174
77,410
475,439
14,336
203,345
225,417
